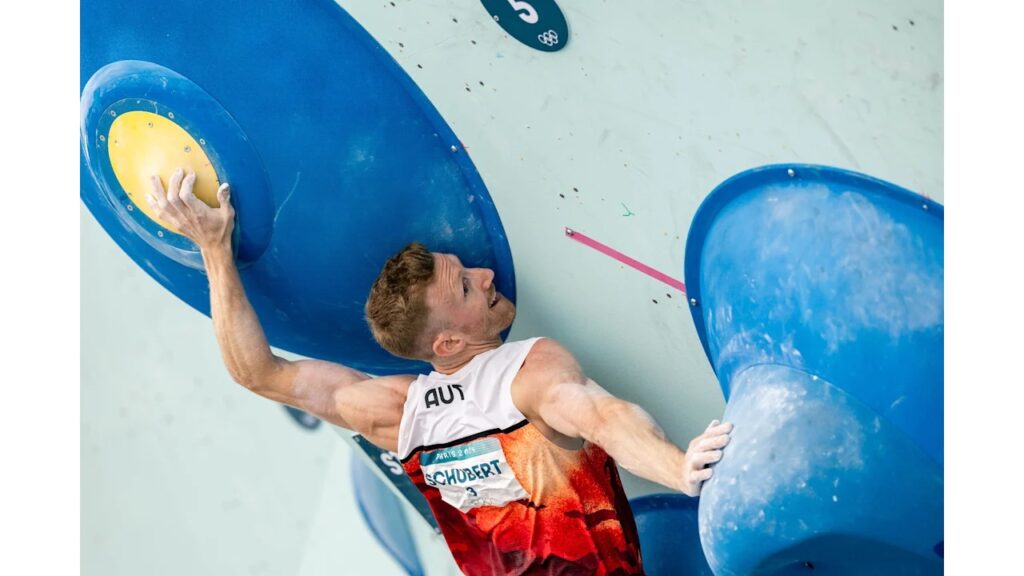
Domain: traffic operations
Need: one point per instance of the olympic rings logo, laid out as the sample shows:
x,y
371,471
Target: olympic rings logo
x,y
549,38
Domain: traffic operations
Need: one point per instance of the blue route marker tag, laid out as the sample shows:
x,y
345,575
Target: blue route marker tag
x,y
539,24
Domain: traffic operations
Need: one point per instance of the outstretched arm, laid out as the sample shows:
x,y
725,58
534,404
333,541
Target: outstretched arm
x,y
333,392
576,406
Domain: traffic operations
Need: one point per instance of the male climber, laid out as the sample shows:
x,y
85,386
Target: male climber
x,y
512,445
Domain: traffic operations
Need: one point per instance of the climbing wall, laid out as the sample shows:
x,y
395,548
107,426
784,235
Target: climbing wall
x,y
623,132
619,135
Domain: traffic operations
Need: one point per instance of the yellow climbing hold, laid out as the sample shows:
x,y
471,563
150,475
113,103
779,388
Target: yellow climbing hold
x,y
141,144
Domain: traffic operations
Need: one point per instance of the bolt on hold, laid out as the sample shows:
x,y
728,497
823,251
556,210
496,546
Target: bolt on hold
x,y
454,149
693,301
791,172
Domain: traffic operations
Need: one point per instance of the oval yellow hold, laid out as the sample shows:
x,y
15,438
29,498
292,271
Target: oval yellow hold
x,y
141,144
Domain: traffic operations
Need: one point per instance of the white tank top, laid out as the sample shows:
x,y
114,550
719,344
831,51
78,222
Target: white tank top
x,y
442,409
507,499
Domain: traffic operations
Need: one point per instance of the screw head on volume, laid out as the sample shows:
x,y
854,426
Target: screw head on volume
x,y
693,301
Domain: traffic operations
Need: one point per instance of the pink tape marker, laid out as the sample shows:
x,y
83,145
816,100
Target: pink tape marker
x,y
609,251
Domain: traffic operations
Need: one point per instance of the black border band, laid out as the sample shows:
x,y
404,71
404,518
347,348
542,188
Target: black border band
x,y
511,428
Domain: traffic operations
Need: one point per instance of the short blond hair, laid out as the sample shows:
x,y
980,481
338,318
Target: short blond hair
x,y
396,309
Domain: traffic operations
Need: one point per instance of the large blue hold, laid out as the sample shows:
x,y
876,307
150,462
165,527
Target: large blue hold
x,y
818,296
348,156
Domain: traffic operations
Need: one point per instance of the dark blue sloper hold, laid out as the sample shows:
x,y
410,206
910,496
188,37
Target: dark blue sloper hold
x,y
303,419
383,514
669,540
391,467
539,24
818,297
336,159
